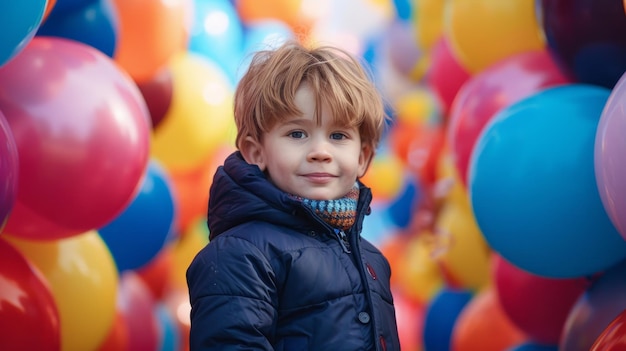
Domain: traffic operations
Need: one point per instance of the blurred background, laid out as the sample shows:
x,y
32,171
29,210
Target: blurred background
x,y
499,187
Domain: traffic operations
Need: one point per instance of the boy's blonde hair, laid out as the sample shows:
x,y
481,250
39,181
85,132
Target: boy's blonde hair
x,y
265,94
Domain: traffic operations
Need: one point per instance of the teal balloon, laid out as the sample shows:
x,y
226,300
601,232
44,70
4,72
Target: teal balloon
x,y
217,33
533,189
170,335
19,21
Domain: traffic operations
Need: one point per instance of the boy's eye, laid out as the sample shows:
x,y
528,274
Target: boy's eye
x,y
297,134
337,136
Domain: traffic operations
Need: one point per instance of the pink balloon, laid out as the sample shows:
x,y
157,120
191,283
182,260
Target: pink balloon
x,y
82,131
8,170
138,307
537,305
494,88
610,150
446,76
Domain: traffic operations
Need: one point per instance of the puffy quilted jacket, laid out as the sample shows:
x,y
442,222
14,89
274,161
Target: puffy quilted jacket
x,y
276,277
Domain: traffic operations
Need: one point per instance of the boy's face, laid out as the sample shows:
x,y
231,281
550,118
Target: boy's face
x,y
319,162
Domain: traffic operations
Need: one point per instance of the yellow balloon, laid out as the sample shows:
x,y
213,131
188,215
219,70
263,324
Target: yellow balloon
x,y
449,188
418,273
463,251
416,107
482,32
428,16
83,279
200,117
385,176
185,249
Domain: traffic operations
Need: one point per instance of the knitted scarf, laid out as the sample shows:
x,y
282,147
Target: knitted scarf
x,y
339,213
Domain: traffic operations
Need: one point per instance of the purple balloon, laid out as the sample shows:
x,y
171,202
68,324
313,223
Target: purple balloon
x,y
595,309
610,148
586,37
9,169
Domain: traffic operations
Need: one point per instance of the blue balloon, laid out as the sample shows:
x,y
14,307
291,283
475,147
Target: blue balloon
x,y
533,189
377,226
94,24
403,206
217,33
529,346
441,316
19,21
137,235
64,6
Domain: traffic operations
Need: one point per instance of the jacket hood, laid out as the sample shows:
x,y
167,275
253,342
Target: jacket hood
x,y
241,192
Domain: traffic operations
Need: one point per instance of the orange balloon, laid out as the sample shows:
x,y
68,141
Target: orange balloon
x,y
191,188
289,11
49,6
483,325
150,33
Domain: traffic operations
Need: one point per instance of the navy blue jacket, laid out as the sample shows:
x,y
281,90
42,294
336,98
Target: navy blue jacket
x,y
276,277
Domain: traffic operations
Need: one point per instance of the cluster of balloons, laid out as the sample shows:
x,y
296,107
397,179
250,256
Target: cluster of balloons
x,y
114,116
499,190
519,221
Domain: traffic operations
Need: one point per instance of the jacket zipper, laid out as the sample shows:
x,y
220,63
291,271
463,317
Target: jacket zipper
x,y
343,240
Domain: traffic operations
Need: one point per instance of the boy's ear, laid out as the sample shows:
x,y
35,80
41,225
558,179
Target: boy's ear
x,y
252,152
365,158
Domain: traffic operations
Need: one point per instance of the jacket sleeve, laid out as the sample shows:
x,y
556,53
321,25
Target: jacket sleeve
x,y
233,297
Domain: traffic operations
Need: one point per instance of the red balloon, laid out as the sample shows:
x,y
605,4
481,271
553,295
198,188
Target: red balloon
x,y
9,170
117,339
157,91
82,131
537,305
492,89
614,335
155,274
446,75
29,318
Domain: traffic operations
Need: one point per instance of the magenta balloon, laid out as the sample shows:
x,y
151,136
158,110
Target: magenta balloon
x,y
8,170
609,158
82,131
538,306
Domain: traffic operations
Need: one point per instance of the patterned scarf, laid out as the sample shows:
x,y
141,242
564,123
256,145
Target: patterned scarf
x,y
339,213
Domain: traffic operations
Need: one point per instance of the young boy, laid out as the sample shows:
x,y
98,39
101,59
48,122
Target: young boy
x,y
286,268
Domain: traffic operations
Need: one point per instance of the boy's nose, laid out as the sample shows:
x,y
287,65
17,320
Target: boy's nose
x,y
319,151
